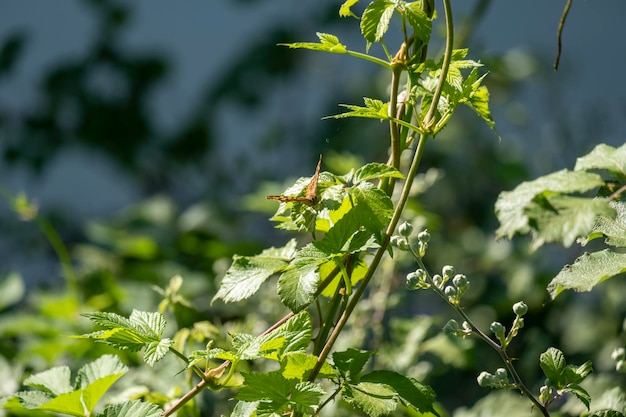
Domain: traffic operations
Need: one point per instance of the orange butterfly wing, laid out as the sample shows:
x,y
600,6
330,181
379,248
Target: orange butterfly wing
x,y
310,195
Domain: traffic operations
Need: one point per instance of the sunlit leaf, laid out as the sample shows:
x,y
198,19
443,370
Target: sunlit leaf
x,y
345,9
588,270
604,157
419,21
552,362
132,409
327,43
511,205
375,20
564,219
245,276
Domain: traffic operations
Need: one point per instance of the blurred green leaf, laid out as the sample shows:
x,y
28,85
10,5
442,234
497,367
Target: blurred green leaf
x,y
11,290
511,206
131,409
604,157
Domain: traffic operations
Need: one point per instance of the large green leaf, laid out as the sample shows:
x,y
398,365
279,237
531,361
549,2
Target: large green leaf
x,y
410,391
276,394
604,157
297,286
376,400
588,270
511,206
375,20
131,409
613,230
141,329
245,276
564,219
58,395
418,20
350,363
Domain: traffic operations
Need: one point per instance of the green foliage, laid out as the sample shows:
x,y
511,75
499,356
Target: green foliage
x,y
546,208
344,271
140,330
562,377
54,391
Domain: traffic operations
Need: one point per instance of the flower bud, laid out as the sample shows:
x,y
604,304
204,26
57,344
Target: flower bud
x,y
437,280
447,271
405,229
399,242
498,329
485,379
423,236
450,291
520,308
460,281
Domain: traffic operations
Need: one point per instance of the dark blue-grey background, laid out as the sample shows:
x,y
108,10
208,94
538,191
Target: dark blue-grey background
x,y
546,117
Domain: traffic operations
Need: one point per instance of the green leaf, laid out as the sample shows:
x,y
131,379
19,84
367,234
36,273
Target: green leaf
x,y
612,229
604,157
564,219
375,171
155,351
419,21
375,20
375,208
576,374
605,413
409,390
12,290
57,395
131,409
580,393
280,394
245,409
376,400
55,381
245,276
511,205
350,363
588,270
479,103
328,43
552,362
298,284
345,9
297,365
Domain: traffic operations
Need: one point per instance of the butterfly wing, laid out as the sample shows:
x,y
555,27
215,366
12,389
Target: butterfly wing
x,y
310,196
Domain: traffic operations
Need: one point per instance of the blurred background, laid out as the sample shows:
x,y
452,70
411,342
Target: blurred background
x,y
147,135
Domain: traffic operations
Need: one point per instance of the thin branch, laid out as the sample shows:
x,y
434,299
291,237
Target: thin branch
x,y
559,33
429,120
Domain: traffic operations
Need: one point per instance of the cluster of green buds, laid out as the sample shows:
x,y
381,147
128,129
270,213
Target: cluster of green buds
x,y
417,280
498,380
401,241
454,291
619,356
520,309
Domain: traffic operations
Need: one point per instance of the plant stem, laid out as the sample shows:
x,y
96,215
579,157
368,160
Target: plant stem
x,y
429,120
358,293
508,362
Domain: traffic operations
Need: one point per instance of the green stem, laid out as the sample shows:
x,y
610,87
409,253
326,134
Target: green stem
x,y
406,190
62,253
508,362
429,120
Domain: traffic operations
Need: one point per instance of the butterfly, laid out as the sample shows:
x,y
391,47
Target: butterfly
x,y
310,195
